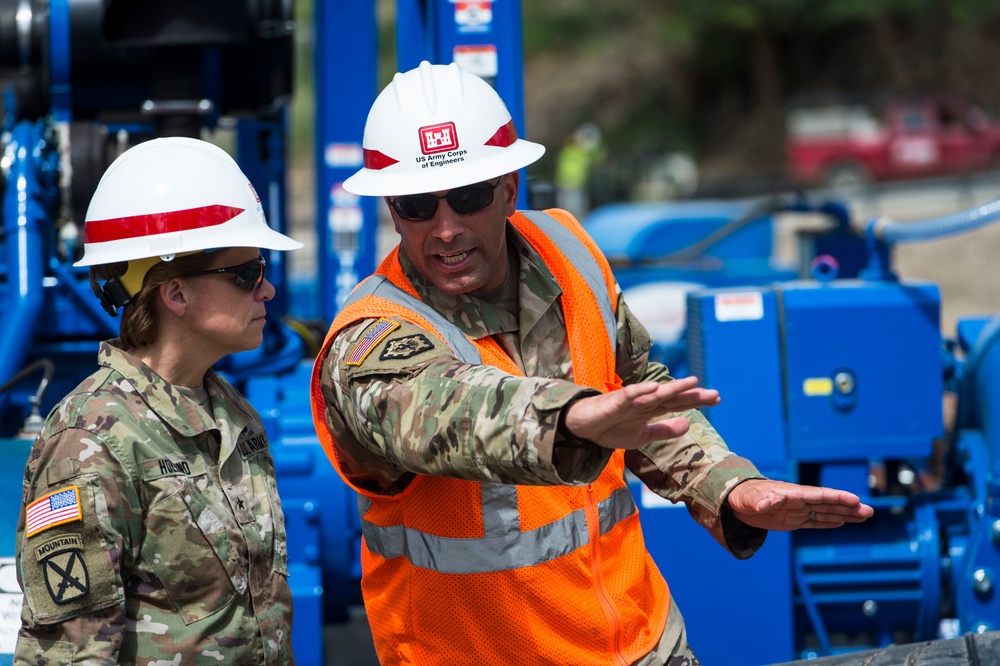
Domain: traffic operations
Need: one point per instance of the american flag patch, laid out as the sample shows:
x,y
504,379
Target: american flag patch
x,y
62,506
365,345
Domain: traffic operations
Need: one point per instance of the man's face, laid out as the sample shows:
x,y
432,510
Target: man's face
x,y
461,253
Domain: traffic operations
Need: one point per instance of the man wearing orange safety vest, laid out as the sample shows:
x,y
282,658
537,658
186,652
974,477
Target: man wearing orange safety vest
x,y
484,392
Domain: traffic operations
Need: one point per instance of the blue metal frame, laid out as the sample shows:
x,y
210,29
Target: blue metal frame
x,y
346,76
60,87
474,34
29,199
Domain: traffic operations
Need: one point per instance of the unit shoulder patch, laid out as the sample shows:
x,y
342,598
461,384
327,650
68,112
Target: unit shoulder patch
x,y
405,347
66,576
67,567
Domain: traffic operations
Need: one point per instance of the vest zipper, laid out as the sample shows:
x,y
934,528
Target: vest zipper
x,y
594,529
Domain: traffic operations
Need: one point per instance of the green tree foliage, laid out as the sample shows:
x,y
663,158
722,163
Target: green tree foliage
x,y
716,76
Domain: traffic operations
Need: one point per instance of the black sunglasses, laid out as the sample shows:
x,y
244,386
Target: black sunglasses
x,y
463,200
249,276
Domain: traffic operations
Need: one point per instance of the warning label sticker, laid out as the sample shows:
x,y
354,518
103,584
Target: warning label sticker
x,y
473,16
743,306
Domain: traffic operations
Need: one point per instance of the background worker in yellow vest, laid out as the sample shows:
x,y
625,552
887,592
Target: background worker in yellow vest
x,y
574,165
486,390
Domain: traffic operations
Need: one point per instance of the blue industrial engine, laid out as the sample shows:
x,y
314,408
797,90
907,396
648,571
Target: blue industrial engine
x,y
832,371
837,381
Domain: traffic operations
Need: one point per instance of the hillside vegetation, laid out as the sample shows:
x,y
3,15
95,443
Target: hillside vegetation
x,y
715,78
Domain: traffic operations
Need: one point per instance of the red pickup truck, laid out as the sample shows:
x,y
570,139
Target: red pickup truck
x,y
844,146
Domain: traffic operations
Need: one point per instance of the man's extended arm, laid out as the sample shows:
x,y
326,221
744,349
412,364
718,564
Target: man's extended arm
x,y
429,413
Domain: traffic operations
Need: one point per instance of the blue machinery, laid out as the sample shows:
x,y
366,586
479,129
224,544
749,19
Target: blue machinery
x,y
838,379
483,37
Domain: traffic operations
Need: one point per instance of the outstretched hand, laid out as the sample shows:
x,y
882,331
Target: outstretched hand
x,y
777,505
627,419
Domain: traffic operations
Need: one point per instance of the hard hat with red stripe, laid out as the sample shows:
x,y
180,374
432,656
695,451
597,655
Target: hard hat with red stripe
x,y
435,128
171,196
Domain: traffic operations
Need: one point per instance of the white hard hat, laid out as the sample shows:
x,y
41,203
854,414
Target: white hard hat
x,y
435,128
175,195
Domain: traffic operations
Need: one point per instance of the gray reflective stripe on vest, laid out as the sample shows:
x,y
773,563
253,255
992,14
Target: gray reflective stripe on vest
x,y
503,545
381,286
582,260
511,550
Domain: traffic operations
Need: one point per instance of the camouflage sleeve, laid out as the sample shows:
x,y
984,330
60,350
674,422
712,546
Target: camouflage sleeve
x,y
698,468
406,405
79,519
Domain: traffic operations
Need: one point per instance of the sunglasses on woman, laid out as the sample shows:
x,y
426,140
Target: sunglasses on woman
x,y
249,276
463,200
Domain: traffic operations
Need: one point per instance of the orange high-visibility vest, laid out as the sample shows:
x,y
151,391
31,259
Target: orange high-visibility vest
x,y
459,572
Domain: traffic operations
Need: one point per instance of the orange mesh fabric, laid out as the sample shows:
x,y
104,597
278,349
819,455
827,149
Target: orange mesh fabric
x,y
496,622
627,570
573,225
388,594
538,505
584,325
604,603
366,308
446,507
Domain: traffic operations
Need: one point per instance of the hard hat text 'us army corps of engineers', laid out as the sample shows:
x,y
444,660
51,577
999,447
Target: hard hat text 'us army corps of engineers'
x,y
439,144
436,128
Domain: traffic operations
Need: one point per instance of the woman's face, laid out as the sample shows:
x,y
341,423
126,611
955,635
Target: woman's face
x,y
223,316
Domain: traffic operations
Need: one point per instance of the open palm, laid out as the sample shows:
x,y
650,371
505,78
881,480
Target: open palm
x,y
637,414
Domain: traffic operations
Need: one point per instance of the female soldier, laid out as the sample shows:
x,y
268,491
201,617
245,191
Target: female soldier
x,y
151,530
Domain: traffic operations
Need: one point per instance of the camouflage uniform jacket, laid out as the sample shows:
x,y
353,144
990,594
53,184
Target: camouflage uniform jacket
x,y
411,407
158,537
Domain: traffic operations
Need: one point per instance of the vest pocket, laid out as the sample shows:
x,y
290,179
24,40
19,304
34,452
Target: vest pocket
x,y
190,551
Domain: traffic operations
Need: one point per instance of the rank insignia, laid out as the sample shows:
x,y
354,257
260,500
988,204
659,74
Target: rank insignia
x,y
366,344
405,347
66,574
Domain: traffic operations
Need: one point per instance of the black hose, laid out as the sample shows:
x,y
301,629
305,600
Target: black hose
x,y
48,370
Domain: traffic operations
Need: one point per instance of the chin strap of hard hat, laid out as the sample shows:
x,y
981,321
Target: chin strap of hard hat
x,y
118,291
113,296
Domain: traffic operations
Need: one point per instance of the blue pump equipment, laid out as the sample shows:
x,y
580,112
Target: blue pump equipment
x,y
180,69
840,381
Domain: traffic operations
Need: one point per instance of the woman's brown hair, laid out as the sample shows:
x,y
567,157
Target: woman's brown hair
x,y
139,319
